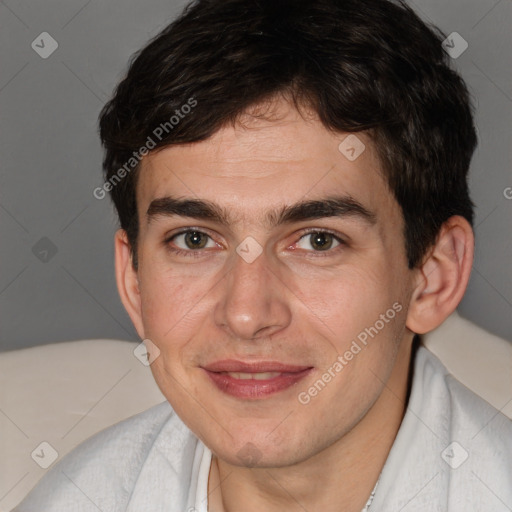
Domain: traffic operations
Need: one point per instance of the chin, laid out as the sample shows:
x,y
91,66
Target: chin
x,y
247,451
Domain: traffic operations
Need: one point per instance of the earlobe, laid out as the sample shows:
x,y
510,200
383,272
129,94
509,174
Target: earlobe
x,y
127,280
443,276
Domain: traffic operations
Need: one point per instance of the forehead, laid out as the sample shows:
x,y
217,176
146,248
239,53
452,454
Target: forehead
x,y
264,163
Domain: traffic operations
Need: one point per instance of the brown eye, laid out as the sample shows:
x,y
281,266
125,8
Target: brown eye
x,y
195,239
190,240
319,241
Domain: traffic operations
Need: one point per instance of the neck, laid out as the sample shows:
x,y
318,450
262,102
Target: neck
x,y
354,464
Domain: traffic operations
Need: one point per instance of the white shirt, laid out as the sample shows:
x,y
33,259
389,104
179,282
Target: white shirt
x,y
452,453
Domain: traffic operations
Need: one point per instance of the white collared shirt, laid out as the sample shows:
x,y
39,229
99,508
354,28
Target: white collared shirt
x,y
452,453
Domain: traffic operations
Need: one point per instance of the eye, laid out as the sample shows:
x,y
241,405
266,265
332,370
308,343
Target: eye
x,y
190,240
319,241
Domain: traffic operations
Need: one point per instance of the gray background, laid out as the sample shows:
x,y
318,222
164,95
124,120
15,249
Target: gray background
x,y
57,273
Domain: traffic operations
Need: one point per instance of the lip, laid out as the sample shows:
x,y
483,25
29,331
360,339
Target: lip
x,y
233,365
248,388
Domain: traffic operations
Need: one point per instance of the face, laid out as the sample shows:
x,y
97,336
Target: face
x,y
279,311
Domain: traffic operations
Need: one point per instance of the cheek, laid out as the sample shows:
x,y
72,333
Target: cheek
x,y
174,311
170,321
168,302
349,299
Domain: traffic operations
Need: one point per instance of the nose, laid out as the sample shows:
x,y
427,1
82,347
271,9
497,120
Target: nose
x,y
253,300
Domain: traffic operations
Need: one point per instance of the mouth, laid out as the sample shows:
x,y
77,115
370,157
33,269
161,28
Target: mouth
x,y
255,380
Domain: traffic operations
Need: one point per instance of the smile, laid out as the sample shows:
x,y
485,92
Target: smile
x,y
255,376
254,380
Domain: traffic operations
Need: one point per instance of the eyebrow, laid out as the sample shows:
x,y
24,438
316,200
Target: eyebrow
x,y
336,206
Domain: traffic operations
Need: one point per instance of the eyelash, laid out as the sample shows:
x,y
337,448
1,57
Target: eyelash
x,y
198,253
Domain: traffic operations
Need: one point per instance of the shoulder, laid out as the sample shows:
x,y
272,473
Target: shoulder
x,y
486,431
464,406
101,472
453,450
478,436
456,402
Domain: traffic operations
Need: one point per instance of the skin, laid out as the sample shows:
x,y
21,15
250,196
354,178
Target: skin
x,y
294,304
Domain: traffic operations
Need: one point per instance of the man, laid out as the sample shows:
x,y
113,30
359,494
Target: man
x,y
291,183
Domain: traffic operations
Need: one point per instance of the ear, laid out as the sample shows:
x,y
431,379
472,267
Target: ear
x,y
127,280
443,276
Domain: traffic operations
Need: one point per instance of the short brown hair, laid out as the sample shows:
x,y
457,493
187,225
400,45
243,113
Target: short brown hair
x,y
362,65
